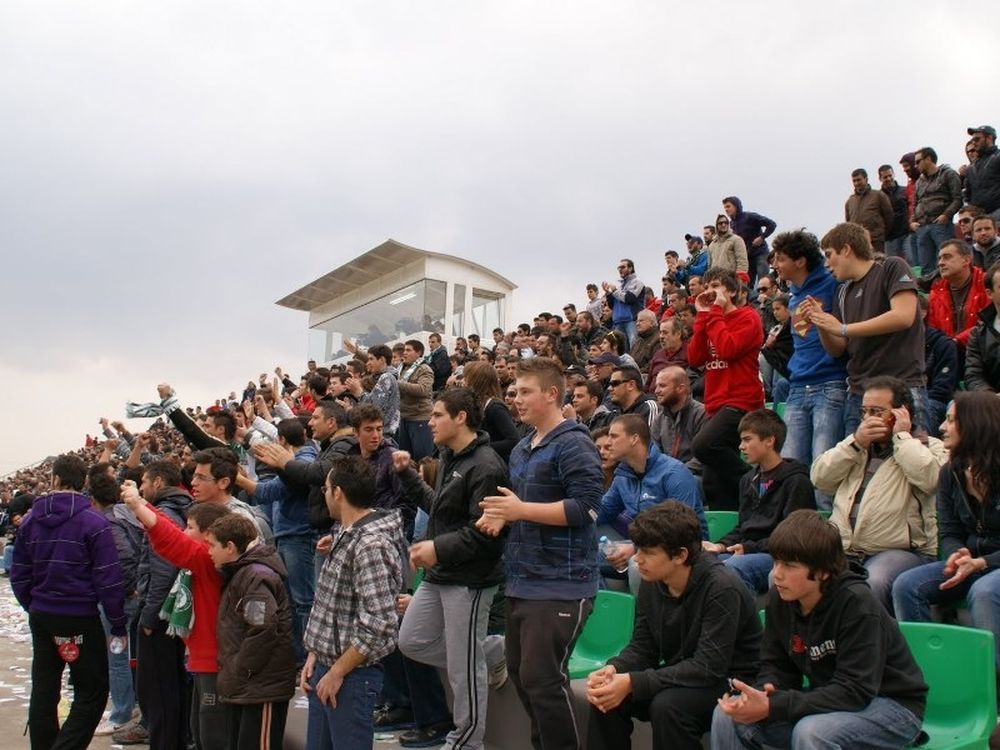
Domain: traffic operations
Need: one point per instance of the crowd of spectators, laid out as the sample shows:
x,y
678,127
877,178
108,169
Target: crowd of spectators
x,y
770,372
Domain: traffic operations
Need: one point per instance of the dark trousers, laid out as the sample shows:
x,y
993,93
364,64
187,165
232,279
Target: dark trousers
x,y
161,685
209,727
90,681
717,446
410,684
680,716
540,638
256,726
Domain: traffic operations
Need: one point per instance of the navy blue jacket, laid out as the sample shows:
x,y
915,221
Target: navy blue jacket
x,y
941,365
750,226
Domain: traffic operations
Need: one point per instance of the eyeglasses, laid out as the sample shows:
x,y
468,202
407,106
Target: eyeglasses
x,y
615,383
203,477
965,221
722,223
873,411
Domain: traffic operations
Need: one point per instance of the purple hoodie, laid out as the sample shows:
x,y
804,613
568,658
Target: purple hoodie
x,y
66,562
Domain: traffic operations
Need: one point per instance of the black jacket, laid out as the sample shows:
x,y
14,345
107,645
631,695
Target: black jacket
x,y
965,522
941,365
156,575
312,475
780,353
441,365
982,181
499,424
760,514
466,556
849,647
982,354
900,213
710,633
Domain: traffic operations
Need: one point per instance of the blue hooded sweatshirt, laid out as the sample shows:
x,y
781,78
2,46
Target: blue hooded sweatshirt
x,y
287,506
811,363
665,478
750,226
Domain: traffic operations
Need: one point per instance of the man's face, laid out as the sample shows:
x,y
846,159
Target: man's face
x,y
720,290
434,342
583,324
620,443
887,179
766,287
370,436
877,403
215,428
695,287
687,317
668,339
730,209
410,355
322,426
860,182
791,579
643,324
221,554
654,564
708,234
570,314
591,294
787,269
497,337
149,487
204,487
983,233
668,393
333,497
924,165
542,345
754,447
501,367
624,268
602,443
375,365
952,264
191,531
554,325
444,427
835,262
583,402
722,226
532,403
619,389
311,364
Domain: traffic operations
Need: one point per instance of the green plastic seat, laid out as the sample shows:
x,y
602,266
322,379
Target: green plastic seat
x,y
779,409
917,271
607,632
825,513
959,666
720,523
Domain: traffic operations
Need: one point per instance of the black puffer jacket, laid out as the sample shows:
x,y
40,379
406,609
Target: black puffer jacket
x,y
982,181
982,354
312,475
256,658
790,489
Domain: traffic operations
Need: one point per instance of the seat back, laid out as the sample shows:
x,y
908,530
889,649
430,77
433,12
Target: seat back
x,y
607,631
720,523
960,667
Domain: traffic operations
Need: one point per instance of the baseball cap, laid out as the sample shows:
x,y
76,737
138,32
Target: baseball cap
x,y
695,237
984,129
606,358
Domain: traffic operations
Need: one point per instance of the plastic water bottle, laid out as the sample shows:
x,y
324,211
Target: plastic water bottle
x,y
607,547
117,645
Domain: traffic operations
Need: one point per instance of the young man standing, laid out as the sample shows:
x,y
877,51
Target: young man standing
x,y
695,626
824,625
551,551
385,393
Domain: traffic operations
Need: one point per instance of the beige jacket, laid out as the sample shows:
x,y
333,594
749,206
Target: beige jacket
x,y
728,251
898,509
415,393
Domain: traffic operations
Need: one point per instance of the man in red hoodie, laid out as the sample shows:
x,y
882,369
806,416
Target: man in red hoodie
x,y
727,337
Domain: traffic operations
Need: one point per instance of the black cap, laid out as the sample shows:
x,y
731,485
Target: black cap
x,y
984,129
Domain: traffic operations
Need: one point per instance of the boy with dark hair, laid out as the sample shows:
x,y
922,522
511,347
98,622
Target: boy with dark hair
x,y
254,627
771,490
824,625
695,626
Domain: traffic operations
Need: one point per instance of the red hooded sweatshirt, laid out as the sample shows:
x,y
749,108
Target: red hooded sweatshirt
x,y
728,345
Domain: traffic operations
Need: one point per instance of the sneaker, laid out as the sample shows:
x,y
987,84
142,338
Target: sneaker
x,y
387,718
132,733
431,736
498,674
106,727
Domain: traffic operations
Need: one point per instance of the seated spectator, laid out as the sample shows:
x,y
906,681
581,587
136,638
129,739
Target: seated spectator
x,y
602,441
986,244
625,388
772,489
883,479
647,341
681,417
823,625
672,351
982,354
587,407
695,626
614,343
958,296
968,516
942,369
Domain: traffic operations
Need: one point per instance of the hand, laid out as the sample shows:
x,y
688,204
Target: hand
x,y
490,526
505,507
704,301
713,547
354,386
143,440
400,461
307,673
961,567
112,443
273,454
104,422
569,412
824,321
734,549
328,687
278,372
248,412
942,219
605,286
871,430
622,554
324,544
757,241
130,495
914,226
118,425
609,696
164,390
147,631
423,554
903,423
750,706
601,676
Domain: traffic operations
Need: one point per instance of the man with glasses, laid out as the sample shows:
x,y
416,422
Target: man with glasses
x,y
966,216
982,181
938,198
727,251
625,300
625,388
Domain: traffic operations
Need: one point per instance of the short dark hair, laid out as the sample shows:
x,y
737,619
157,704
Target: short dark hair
x,y
167,471
991,273
455,400
293,432
365,413
356,480
569,306
630,373
859,172
203,515
928,153
672,526
634,424
332,410
885,168
964,249
848,233
227,421
104,489
724,276
984,217
548,372
594,389
416,344
671,254
234,528
381,351
585,315
592,287
902,396
782,299
71,470
318,384
806,537
765,423
798,243
222,463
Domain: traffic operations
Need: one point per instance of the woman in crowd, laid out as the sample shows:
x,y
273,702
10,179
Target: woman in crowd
x,y
481,378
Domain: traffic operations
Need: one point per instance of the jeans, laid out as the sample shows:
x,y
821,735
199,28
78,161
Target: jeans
x,y
415,438
779,389
298,552
757,267
852,410
883,723
627,328
814,415
753,569
8,557
928,239
885,567
916,590
350,724
120,671
900,248
935,416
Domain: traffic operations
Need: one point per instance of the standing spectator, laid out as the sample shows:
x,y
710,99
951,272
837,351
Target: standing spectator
x,y
986,245
982,180
753,229
727,337
625,300
497,422
939,196
593,302
681,417
65,565
416,384
767,291
385,393
908,163
874,319
982,354
697,262
896,237
959,295
727,251
439,361
776,351
556,487
869,208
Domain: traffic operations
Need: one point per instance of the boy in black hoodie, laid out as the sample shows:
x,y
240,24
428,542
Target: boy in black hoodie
x,y
823,624
771,490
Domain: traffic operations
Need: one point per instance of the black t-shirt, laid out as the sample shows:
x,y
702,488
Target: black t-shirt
x,y
900,354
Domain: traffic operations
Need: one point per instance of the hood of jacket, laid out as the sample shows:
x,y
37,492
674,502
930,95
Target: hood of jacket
x,y
624,470
787,468
736,202
256,554
58,507
118,512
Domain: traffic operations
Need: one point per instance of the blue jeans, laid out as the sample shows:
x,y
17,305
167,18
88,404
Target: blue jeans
x,y
8,557
119,671
883,723
350,724
758,267
928,239
885,567
900,248
916,590
935,416
298,552
814,415
628,328
852,410
415,438
753,569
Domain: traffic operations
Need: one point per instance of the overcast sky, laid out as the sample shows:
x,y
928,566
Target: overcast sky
x,y
170,169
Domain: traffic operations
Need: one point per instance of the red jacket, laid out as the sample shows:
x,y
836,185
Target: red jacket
x,y
728,346
939,310
176,547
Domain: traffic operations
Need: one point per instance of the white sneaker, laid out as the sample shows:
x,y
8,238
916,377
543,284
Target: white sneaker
x,y
498,675
105,728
